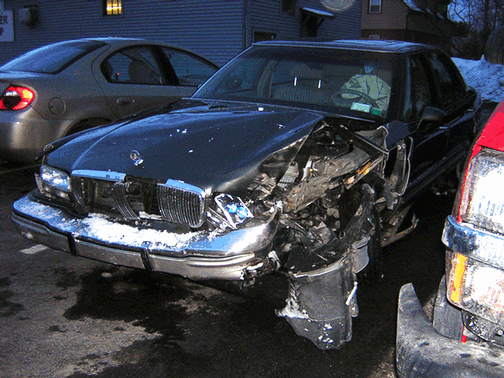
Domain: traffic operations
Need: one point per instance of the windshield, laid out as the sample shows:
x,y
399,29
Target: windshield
x,y
52,58
324,79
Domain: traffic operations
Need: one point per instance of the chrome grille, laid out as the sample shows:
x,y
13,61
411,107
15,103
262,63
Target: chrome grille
x,y
135,198
181,203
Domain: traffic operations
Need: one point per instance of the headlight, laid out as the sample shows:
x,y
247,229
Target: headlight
x,y
482,202
54,181
475,287
233,208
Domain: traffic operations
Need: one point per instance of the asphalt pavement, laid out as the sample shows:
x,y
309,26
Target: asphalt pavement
x,y
63,316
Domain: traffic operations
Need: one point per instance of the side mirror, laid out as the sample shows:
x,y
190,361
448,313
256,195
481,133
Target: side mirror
x,y
431,115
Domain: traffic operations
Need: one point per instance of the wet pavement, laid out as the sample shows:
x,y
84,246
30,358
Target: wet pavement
x,y
62,316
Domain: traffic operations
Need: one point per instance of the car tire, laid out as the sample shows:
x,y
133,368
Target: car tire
x,y
447,319
86,124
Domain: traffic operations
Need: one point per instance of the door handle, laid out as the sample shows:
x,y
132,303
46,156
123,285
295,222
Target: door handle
x,y
123,101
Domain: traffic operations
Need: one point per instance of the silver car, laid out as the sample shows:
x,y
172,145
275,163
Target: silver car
x,y
66,87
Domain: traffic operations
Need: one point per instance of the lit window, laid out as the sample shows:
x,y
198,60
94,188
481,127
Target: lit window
x,y
375,6
112,7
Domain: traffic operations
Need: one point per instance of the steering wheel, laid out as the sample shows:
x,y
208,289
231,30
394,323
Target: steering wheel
x,y
355,92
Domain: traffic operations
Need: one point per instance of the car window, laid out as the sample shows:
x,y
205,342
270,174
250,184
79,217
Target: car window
x,y
53,58
133,65
418,91
351,81
190,70
451,87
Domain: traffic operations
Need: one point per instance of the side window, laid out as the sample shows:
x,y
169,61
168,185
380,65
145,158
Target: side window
x,y
190,70
418,92
133,65
451,86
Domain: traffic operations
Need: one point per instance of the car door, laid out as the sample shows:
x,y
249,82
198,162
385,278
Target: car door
x,y
191,71
134,79
429,139
457,101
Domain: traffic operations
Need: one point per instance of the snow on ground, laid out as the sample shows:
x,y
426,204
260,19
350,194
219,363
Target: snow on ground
x,y
487,78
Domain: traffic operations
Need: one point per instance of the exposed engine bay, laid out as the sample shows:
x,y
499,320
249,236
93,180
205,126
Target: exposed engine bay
x,y
330,197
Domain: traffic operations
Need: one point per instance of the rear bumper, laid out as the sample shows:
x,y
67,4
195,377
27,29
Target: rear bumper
x,y
233,255
423,352
24,133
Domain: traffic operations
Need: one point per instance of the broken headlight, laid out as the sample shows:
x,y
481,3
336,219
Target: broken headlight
x,y
54,181
482,203
233,209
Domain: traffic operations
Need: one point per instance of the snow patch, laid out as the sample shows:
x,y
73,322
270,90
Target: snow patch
x,y
487,78
99,227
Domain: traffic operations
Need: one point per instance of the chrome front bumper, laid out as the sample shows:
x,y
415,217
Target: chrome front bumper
x,y
474,243
230,255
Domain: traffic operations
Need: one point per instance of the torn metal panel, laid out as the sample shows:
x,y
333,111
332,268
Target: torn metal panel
x,y
322,296
321,303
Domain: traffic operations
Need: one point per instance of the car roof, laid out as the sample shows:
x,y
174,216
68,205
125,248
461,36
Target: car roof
x,y
384,46
111,40
119,42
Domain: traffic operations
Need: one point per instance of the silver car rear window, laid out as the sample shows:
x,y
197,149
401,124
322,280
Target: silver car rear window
x,y
51,58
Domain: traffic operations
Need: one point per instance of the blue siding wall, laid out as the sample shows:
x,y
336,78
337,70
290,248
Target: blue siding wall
x,y
213,28
217,29
267,16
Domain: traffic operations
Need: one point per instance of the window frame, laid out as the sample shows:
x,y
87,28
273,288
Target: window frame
x,y
105,8
375,3
446,101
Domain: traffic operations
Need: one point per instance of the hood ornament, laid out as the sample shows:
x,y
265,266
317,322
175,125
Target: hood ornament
x,y
136,157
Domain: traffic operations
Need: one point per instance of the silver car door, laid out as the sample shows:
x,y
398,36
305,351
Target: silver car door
x,y
132,80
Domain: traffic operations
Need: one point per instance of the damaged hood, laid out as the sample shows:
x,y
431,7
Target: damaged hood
x,y
204,144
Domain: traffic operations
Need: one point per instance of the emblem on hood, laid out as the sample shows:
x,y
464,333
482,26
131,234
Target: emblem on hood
x,y
136,157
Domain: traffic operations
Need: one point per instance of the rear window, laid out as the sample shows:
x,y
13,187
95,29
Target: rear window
x,y
52,58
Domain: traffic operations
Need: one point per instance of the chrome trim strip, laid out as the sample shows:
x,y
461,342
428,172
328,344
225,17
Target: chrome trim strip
x,y
101,175
186,187
475,243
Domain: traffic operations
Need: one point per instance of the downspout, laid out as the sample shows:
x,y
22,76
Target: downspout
x,y
245,31
407,36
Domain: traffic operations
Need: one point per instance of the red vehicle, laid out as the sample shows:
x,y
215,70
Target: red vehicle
x,y
466,337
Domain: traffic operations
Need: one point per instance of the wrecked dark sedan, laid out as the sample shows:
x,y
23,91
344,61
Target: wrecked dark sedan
x,y
296,157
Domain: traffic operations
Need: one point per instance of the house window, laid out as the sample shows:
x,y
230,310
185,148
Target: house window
x,y
375,6
112,7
